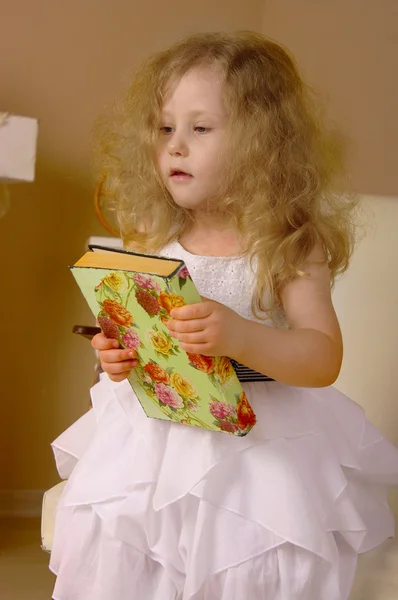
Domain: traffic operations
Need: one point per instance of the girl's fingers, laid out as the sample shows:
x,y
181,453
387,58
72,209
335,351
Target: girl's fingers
x,y
118,378
199,337
119,367
186,326
115,356
101,342
197,349
192,311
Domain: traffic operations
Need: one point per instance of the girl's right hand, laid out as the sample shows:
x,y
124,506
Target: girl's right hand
x,y
115,361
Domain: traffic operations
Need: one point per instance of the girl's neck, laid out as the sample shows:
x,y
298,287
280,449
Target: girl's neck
x,y
208,238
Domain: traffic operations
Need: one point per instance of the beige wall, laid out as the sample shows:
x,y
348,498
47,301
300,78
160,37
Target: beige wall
x,y
348,51
62,62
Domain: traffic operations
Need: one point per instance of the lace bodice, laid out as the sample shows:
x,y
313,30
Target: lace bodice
x,y
226,279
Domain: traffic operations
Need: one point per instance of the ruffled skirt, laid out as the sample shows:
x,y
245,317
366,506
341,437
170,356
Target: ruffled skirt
x,y
160,511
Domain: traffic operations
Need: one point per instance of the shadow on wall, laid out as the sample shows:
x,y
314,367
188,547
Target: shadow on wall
x,y
46,371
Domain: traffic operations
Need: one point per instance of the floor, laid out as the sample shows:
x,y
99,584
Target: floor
x,y
24,573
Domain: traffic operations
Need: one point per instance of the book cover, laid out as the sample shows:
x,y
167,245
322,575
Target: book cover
x,y
131,296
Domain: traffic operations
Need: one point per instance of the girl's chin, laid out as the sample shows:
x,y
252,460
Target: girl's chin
x,y
190,203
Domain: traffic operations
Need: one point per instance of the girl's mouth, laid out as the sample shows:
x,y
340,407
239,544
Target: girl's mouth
x,y
178,175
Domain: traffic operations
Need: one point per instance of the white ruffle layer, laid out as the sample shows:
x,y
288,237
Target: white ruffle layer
x,y
160,511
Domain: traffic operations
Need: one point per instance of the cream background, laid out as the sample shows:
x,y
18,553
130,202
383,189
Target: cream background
x,y
366,301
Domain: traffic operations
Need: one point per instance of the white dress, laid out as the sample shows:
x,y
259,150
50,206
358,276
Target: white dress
x,y
161,511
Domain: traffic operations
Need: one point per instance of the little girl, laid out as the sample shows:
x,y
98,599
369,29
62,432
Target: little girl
x,y
218,157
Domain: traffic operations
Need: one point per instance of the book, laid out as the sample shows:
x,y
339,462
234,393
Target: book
x,y
131,296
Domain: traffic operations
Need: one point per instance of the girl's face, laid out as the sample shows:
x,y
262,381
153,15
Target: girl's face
x,y
192,138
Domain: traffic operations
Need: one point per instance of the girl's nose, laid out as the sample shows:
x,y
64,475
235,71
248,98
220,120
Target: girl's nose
x,y
177,146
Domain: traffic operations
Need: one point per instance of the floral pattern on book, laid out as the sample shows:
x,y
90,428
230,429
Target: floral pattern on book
x,y
175,394
120,297
219,369
239,419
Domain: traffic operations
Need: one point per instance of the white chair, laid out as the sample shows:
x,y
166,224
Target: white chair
x,y
51,497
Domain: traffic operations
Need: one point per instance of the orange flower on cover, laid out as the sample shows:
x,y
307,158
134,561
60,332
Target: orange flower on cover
x,y
224,369
202,363
246,416
170,301
117,313
156,373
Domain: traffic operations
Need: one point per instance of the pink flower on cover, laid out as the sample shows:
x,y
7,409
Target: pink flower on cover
x,y
167,395
221,410
131,339
147,283
184,273
228,426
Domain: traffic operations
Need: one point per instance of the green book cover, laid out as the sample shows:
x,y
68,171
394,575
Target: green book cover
x,y
131,296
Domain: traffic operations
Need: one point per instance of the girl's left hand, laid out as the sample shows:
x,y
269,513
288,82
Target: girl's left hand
x,y
208,328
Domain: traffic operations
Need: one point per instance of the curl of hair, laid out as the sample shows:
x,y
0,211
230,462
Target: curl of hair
x,y
284,185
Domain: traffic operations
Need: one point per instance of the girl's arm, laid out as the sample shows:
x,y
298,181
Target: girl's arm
x,y
310,353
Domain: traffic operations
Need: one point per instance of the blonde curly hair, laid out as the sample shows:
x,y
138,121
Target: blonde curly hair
x,y
283,186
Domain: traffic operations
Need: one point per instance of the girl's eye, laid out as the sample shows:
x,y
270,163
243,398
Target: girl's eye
x,y
202,129
166,130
